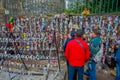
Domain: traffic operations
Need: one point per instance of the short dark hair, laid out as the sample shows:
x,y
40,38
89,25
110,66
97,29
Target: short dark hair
x,y
96,31
72,34
79,33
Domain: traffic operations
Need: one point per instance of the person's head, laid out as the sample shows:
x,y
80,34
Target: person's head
x,y
95,32
79,33
73,34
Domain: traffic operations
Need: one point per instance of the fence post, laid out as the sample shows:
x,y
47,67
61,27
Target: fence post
x,y
104,7
112,5
78,6
117,7
92,8
108,6
100,6
95,6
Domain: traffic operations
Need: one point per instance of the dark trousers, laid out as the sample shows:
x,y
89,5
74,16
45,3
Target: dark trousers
x,y
75,74
91,71
73,71
117,71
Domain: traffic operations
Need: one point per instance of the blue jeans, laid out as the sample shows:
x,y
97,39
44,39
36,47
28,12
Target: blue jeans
x,y
71,72
117,71
91,71
75,73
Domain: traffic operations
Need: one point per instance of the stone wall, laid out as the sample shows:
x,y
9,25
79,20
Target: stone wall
x,y
34,7
1,13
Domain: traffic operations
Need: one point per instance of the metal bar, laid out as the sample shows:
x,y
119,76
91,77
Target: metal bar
x,y
112,5
100,6
82,7
108,6
117,7
104,6
92,7
85,3
88,5
95,6
78,6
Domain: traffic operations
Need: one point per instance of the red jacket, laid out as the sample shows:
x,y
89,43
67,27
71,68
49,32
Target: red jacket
x,y
75,54
10,26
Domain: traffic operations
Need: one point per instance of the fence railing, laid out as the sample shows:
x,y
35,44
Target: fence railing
x,y
36,7
94,6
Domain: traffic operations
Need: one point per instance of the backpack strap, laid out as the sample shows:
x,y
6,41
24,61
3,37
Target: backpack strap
x,y
98,56
80,44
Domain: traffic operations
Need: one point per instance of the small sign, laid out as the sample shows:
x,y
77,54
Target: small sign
x,y
7,11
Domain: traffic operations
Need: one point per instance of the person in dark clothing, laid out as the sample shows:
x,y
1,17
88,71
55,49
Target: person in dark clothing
x,y
69,39
73,35
117,56
94,45
118,62
77,54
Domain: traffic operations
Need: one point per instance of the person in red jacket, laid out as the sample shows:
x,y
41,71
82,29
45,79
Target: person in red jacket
x,y
77,53
10,27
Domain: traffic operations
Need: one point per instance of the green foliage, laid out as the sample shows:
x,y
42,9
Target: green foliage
x,y
95,6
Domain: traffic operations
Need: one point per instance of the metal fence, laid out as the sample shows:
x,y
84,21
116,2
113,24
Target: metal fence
x,y
35,7
94,6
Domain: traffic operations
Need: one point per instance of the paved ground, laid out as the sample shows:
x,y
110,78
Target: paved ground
x,y
102,74
105,75
7,76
